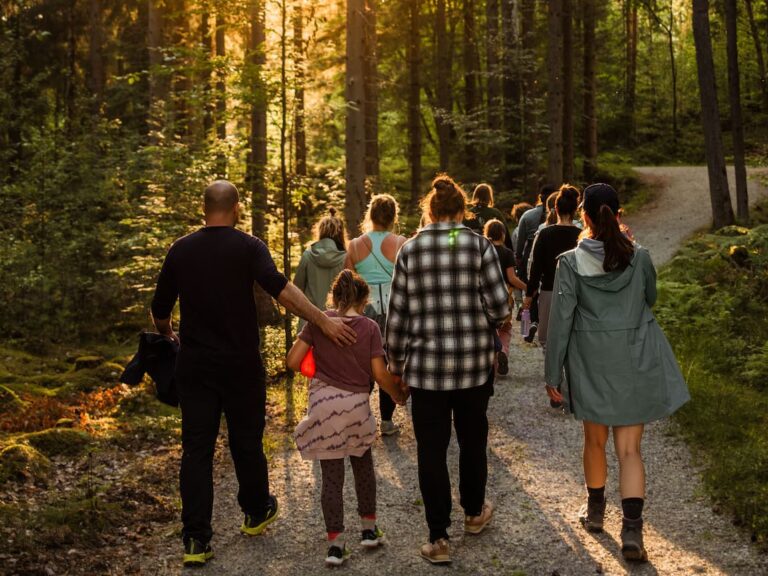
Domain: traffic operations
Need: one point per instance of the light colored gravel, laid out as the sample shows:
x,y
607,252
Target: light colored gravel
x,y
682,206
535,481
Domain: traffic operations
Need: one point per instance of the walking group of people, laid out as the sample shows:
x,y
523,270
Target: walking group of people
x,y
429,319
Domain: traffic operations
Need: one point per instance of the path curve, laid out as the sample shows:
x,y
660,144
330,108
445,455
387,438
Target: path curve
x,y
535,480
681,206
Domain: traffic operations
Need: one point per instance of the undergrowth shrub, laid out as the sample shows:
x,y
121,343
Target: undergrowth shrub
x,y
713,305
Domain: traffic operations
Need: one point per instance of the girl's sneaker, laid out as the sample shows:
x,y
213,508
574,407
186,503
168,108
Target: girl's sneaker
x,y
337,555
372,538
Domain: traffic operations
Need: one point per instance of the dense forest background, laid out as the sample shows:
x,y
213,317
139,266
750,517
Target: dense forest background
x,y
115,114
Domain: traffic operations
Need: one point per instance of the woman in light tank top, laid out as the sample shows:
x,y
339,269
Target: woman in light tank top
x,y
372,255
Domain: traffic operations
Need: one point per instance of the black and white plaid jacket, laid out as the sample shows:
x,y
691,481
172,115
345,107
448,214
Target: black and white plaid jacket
x,y
448,295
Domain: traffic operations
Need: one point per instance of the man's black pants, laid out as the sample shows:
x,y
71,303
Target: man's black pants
x,y
431,412
204,393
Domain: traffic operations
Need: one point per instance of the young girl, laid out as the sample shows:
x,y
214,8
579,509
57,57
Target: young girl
x,y
339,422
495,231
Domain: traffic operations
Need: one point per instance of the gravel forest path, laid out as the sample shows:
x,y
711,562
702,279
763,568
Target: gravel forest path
x,y
535,480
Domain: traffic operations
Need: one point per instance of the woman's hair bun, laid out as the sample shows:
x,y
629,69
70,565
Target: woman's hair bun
x,y
332,211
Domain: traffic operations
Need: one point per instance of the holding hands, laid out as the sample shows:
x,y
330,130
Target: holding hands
x,y
403,390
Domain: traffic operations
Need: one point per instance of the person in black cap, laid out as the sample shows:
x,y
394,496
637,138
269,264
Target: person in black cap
x,y
212,273
620,370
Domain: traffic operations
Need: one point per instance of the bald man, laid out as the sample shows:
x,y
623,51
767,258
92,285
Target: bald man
x,y
219,368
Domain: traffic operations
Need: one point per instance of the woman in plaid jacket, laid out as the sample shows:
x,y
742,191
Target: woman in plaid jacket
x,y
448,296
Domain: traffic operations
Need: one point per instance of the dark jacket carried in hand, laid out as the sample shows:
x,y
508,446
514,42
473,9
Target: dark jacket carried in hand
x,y
157,357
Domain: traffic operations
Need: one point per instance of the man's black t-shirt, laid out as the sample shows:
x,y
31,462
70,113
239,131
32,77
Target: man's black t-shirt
x,y
212,272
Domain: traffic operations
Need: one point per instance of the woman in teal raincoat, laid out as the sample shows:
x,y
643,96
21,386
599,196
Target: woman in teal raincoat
x,y
619,369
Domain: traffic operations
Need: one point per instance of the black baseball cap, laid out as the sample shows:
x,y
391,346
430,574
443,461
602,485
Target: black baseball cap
x,y
595,195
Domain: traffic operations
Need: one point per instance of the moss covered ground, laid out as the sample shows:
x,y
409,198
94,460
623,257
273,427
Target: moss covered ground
x,y
713,306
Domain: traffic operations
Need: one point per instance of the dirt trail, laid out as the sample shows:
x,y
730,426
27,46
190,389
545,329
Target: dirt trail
x,y
682,206
535,480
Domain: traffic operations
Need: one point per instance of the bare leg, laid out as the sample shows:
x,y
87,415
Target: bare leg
x,y
627,441
595,466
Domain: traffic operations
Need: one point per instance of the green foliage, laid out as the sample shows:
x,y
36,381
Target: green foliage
x,y
57,441
21,462
713,301
9,400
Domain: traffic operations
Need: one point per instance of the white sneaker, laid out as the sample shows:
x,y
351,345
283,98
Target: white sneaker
x,y
388,428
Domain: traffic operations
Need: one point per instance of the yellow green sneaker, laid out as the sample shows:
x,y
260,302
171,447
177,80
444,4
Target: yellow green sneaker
x,y
196,553
253,525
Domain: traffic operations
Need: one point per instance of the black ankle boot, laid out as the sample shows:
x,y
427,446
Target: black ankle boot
x,y
632,540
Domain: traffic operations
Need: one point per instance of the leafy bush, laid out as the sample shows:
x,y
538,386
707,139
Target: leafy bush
x,y
713,301
57,441
20,462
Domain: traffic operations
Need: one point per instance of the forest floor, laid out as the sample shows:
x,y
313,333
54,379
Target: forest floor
x,y
535,477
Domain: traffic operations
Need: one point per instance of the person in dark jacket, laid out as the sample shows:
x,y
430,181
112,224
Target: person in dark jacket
x,y
527,228
551,241
212,273
481,211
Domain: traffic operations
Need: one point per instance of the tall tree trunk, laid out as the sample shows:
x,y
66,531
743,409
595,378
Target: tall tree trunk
x,y
70,93
221,92
413,55
299,131
567,91
371,80
158,84
737,124
181,70
493,92
673,64
759,52
284,188
97,77
589,88
354,199
630,29
206,41
256,55
444,100
14,114
555,92
510,63
527,78
470,82
722,211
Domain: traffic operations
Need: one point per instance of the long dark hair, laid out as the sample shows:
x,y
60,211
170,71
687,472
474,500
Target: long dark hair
x,y
618,248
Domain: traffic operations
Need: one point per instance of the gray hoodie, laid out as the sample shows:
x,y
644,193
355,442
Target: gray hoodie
x,y
318,267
